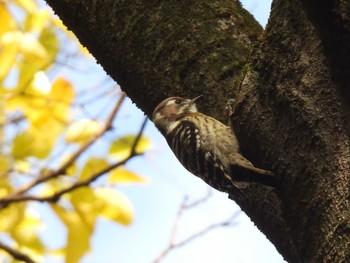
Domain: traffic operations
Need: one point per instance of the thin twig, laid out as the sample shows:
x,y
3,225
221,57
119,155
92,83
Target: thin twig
x,y
53,174
55,197
200,200
226,223
16,254
183,206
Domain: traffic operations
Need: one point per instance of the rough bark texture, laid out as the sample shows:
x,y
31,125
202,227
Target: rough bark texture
x,y
292,109
162,48
292,93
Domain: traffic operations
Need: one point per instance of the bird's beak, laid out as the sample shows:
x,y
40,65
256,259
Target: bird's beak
x,y
196,98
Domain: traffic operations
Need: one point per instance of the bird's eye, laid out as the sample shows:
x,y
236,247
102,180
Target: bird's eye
x,y
178,101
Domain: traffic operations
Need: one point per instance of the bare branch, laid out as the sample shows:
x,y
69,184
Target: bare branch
x,y
55,197
183,206
229,222
61,170
16,254
200,200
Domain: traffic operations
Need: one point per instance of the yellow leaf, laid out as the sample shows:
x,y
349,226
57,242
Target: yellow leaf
x,y
22,145
121,147
123,176
28,43
11,216
105,202
53,186
32,143
5,187
6,20
62,91
32,48
22,166
32,106
8,55
45,106
29,5
114,205
78,239
36,21
92,166
85,203
26,233
36,56
50,42
71,170
5,165
60,99
41,83
82,131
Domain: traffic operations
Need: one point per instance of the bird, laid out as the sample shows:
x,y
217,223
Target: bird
x,y
206,147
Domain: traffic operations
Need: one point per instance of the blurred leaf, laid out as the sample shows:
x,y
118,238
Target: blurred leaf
x,y
32,143
123,176
6,20
114,205
53,186
36,58
26,234
121,147
49,40
5,164
5,187
92,166
60,98
71,170
41,85
11,216
85,203
36,21
79,233
43,105
23,145
22,166
105,202
32,105
8,55
83,131
28,44
29,5
62,91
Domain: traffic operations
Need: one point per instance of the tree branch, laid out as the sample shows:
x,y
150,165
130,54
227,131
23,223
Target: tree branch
x,y
183,207
16,254
53,174
55,197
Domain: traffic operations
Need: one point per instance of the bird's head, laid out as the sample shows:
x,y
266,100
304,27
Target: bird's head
x,y
170,111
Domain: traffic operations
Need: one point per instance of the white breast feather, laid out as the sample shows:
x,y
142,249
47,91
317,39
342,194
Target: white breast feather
x,y
172,126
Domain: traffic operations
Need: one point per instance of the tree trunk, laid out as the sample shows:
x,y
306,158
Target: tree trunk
x,y
291,90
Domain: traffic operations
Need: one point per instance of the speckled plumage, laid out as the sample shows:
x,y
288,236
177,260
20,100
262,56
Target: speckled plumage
x,y
205,146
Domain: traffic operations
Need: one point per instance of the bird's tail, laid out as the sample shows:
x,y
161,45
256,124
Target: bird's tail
x,y
254,175
244,170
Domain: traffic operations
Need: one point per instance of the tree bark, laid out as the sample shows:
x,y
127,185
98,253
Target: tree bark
x,y
290,84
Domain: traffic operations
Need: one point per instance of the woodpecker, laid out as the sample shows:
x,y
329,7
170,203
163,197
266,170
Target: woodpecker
x,y
206,147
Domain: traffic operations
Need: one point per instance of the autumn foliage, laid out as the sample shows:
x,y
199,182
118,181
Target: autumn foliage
x,y
44,132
